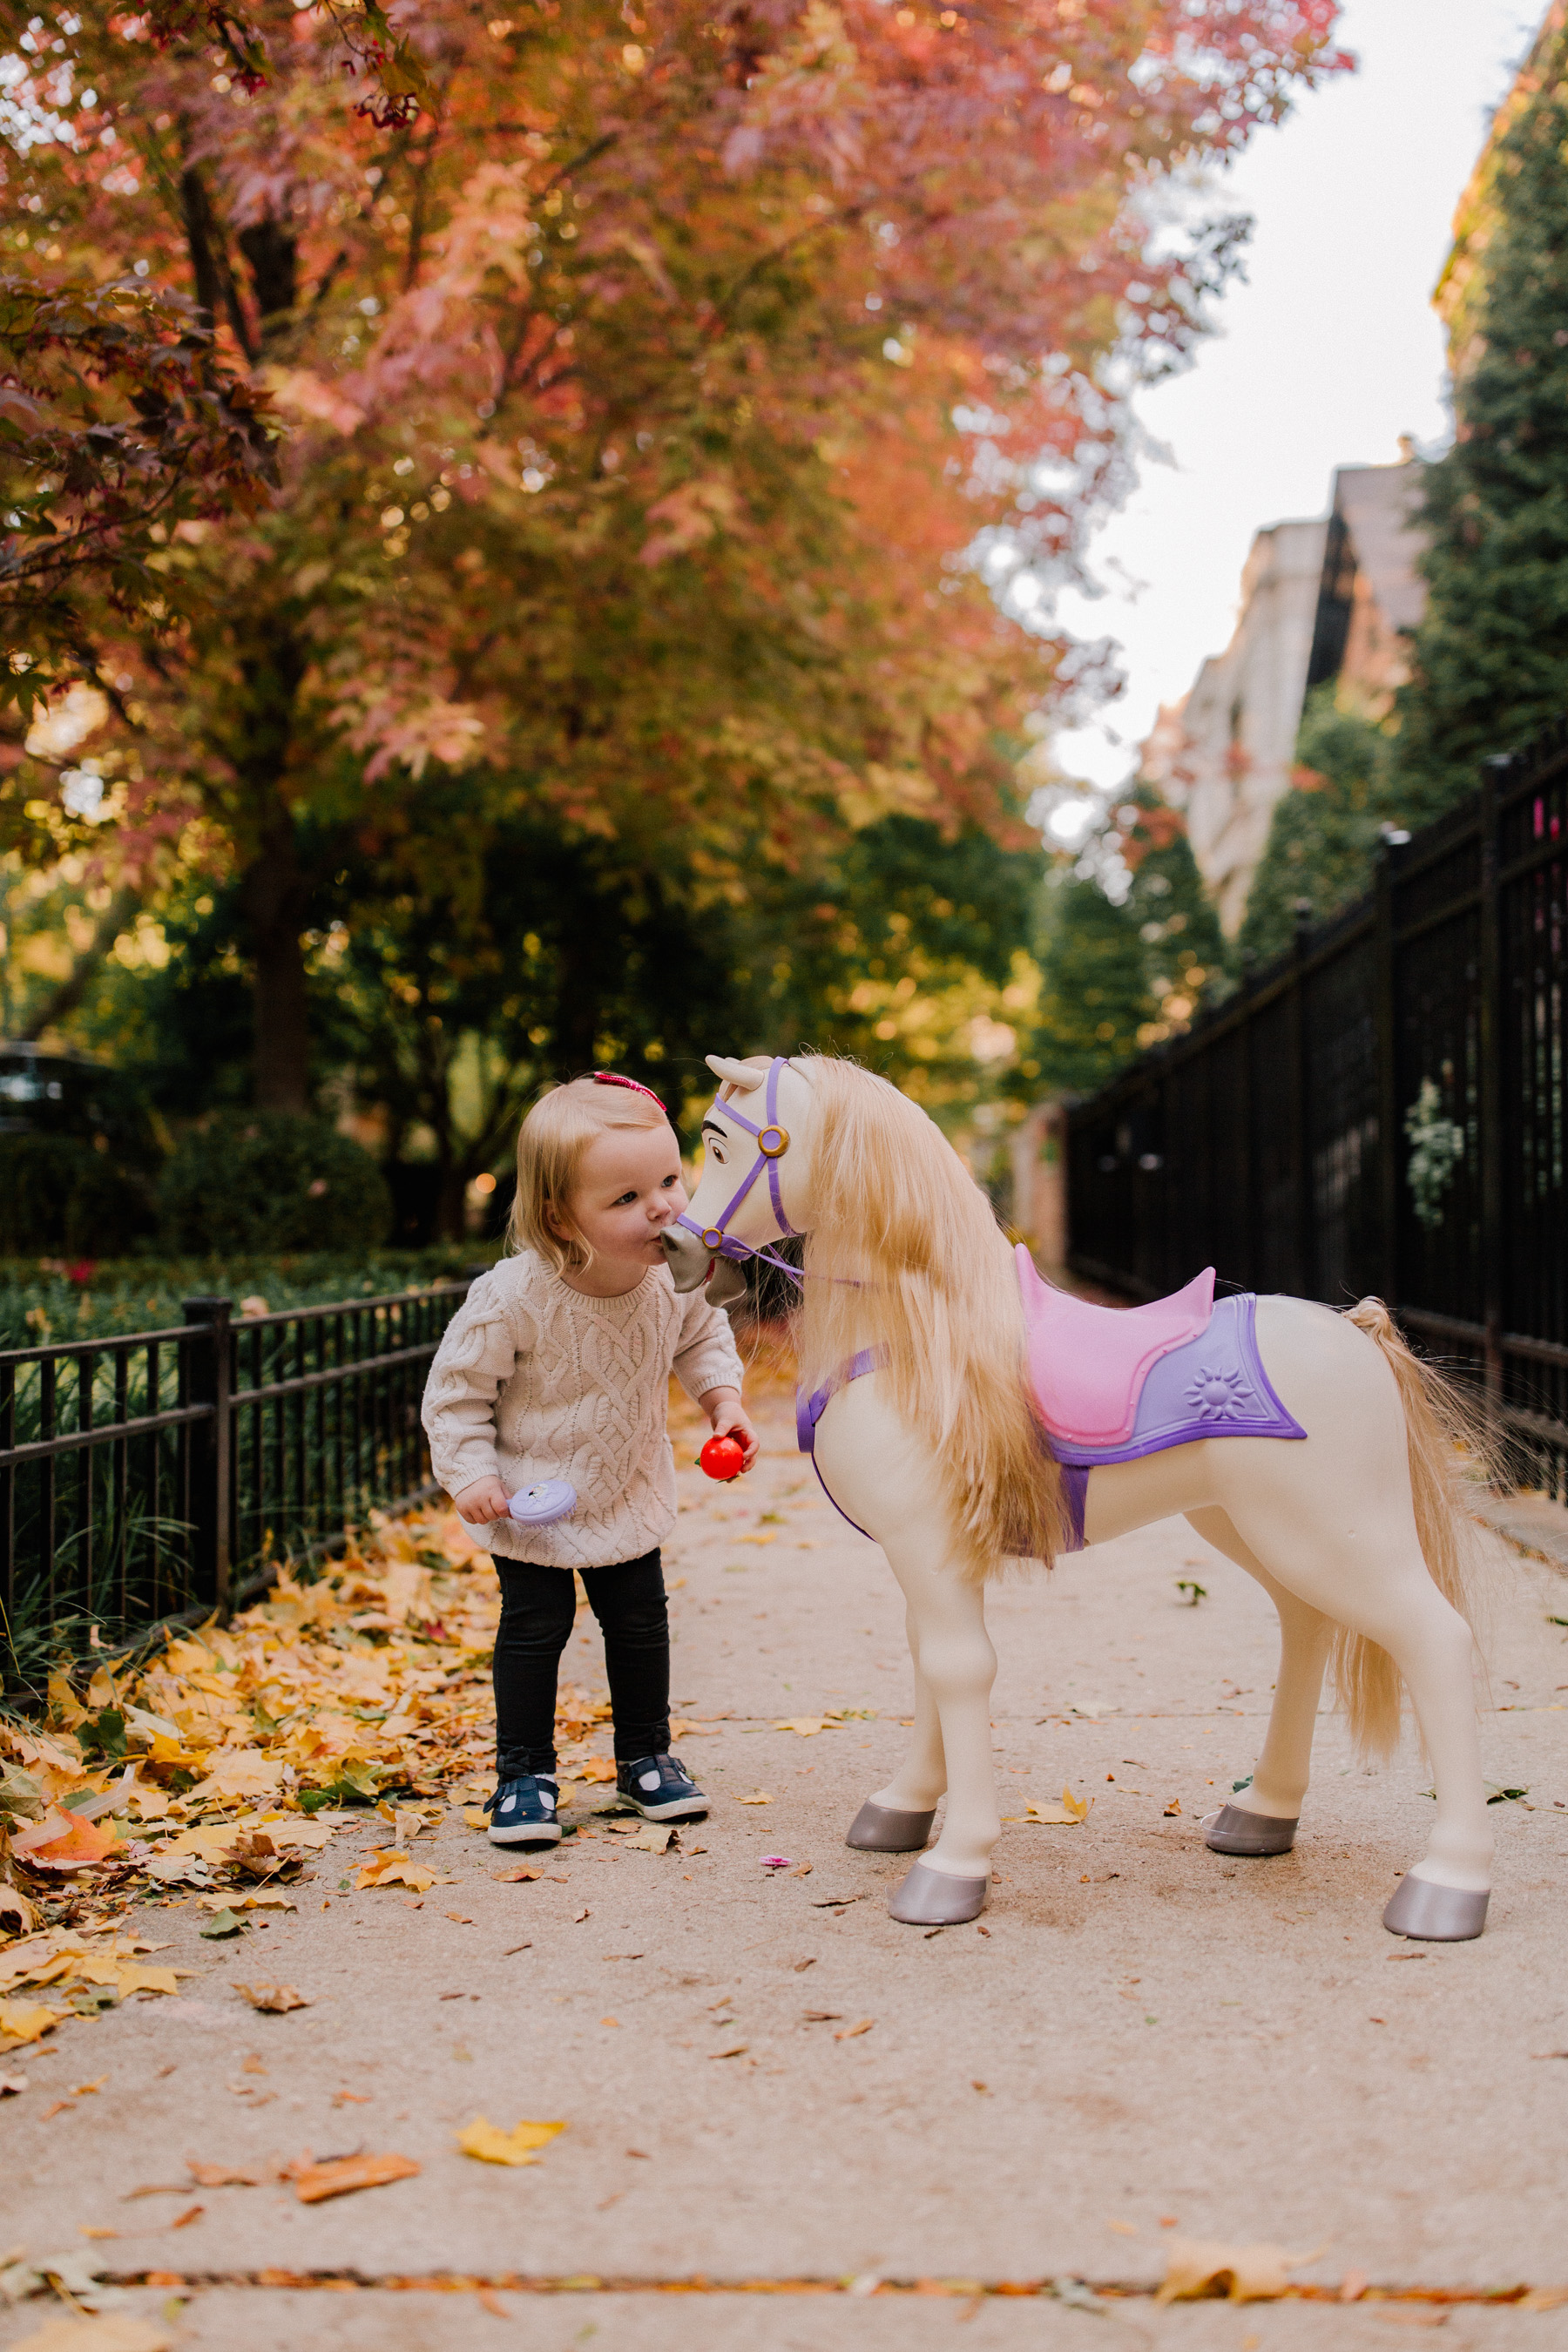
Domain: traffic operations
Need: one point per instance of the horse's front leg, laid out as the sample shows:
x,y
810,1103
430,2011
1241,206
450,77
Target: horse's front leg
x,y
897,1819
882,1476
956,1666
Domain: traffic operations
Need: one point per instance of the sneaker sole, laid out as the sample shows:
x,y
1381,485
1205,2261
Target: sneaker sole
x,y
680,1809
531,1833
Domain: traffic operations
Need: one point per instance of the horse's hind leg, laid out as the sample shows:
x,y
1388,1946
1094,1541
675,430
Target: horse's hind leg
x,y
1262,1818
1381,1587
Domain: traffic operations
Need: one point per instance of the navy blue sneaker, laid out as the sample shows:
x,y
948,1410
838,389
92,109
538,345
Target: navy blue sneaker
x,y
660,1789
522,1811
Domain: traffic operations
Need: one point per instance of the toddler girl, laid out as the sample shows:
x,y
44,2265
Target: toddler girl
x,y
557,1366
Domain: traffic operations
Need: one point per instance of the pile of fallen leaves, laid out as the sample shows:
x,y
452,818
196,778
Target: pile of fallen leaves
x,y
228,1760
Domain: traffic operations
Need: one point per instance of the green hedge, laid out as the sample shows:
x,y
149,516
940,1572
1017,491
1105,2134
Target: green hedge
x,y
266,1181
57,1192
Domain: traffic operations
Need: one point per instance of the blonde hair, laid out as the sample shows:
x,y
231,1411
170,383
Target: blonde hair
x,y
552,1144
905,1254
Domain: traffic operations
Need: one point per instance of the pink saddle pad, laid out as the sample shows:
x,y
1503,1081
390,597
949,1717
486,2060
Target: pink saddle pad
x,y
1089,1363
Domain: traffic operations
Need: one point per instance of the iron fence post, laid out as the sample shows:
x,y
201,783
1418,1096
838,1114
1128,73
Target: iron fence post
x,y
1301,1109
1249,1217
1386,1015
1489,1028
210,1380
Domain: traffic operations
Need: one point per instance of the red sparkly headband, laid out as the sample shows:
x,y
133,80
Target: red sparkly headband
x,y
613,1078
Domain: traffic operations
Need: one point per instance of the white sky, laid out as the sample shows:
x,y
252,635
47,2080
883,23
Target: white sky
x,y
1327,353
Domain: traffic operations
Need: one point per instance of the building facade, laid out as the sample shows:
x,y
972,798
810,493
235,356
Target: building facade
x,y
1333,598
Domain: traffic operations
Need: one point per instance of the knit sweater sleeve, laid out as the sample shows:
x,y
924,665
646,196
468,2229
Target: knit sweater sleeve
x,y
476,1358
706,1356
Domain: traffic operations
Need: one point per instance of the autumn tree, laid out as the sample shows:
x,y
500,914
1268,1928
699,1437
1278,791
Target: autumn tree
x,y
643,390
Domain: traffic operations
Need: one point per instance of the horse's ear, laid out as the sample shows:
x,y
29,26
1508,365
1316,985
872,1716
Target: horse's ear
x,y
744,1075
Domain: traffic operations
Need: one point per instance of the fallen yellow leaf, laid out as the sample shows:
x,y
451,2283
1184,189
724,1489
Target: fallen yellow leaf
x,y
1245,2274
276,2000
476,1817
807,1726
23,2021
132,1977
757,1797
597,1768
239,1772
340,2174
491,2145
388,1867
850,2032
1071,1812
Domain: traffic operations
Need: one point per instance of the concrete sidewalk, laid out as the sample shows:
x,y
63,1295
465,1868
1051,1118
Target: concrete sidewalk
x,y
1143,2039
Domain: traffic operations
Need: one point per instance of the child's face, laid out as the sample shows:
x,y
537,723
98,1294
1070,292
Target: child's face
x,y
628,1190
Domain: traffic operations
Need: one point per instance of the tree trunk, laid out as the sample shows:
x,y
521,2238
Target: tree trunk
x,y
450,1219
577,1007
275,894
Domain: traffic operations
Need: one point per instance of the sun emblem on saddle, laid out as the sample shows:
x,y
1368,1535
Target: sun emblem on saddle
x,y
1217,1393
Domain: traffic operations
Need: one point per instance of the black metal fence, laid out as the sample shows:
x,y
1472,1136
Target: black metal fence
x,y
1383,1110
145,1476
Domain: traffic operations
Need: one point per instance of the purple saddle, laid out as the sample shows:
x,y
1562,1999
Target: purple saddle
x,y
1113,1383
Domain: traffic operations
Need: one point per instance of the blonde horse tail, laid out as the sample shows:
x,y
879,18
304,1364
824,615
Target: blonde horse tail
x,y
1449,1452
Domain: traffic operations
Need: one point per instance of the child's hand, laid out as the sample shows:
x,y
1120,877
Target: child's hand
x,y
486,1500
728,1416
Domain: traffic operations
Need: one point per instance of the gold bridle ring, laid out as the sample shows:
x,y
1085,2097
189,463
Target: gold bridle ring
x,y
773,1150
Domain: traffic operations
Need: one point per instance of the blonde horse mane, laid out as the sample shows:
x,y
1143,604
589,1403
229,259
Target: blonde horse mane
x,y
904,1254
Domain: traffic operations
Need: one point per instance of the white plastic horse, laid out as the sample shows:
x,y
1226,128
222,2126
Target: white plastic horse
x,y
928,1436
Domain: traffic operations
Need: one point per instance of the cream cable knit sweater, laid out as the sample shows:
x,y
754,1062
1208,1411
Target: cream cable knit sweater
x,y
534,1380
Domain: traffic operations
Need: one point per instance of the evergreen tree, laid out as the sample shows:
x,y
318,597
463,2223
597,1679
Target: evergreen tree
x,y
1323,834
1491,655
1094,989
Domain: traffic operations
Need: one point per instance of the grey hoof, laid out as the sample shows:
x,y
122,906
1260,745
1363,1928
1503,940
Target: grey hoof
x,y
1232,1830
935,1898
1419,1907
884,1829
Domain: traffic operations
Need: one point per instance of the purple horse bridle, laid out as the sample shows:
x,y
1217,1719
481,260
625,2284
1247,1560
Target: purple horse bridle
x,y
772,1142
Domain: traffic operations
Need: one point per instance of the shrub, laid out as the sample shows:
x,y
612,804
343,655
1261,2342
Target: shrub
x,y
266,1181
57,1192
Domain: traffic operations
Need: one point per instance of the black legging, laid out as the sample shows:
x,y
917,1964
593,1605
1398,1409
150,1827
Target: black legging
x,y
538,1607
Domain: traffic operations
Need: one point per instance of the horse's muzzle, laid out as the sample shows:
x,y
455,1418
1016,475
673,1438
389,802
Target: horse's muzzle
x,y
686,1258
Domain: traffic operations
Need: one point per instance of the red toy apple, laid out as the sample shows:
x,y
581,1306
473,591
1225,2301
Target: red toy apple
x,y
722,1458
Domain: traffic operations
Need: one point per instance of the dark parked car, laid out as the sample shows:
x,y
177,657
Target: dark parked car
x,y
67,1094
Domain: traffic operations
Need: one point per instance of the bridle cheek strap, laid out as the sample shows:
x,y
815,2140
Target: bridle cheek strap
x,y
772,1142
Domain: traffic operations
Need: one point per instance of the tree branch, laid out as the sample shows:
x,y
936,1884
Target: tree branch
x,y
65,999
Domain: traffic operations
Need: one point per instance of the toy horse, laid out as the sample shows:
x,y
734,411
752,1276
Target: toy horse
x,y
964,1414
